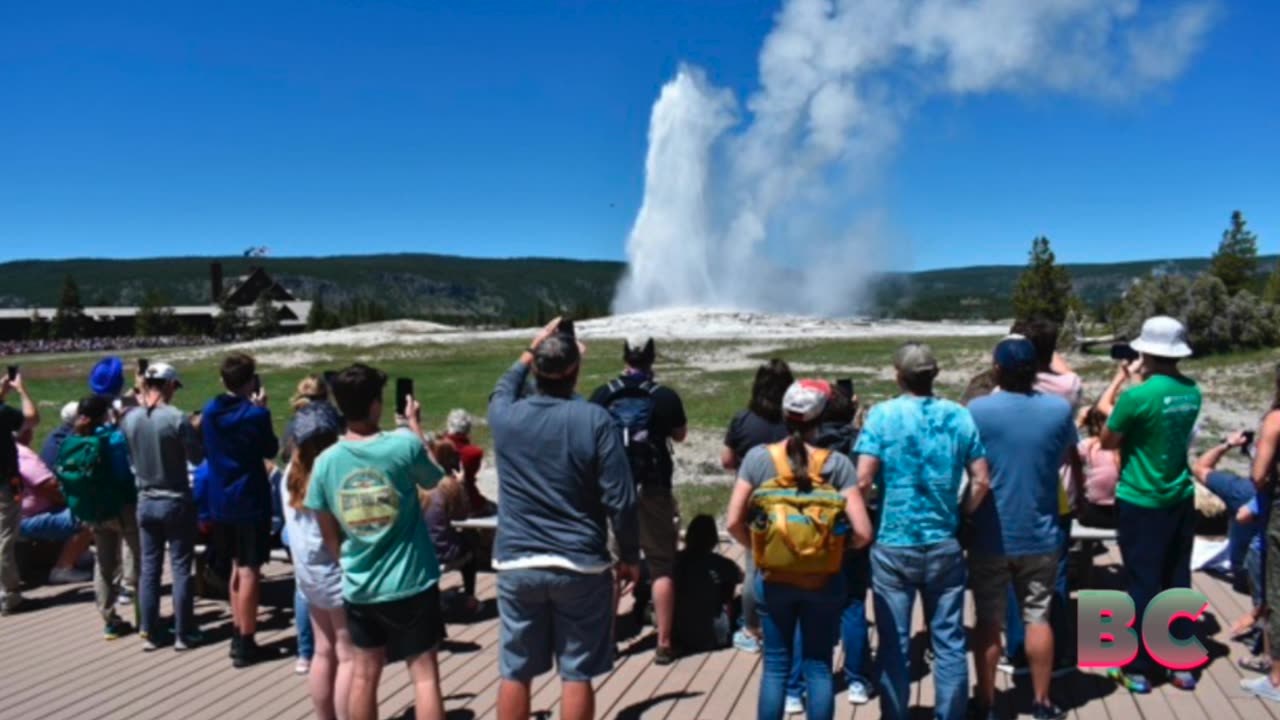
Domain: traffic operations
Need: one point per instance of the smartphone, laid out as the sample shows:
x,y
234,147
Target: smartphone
x,y
1248,443
143,364
330,376
566,328
1122,351
257,384
404,389
845,387
13,373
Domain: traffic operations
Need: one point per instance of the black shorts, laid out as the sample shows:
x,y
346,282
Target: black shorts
x,y
406,628
249,544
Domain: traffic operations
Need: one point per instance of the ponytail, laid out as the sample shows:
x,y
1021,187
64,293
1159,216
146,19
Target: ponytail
x,y
798,454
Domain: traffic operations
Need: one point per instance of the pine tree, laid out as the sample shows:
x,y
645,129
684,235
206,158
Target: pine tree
x,y
266,319
1271,293
68,321
1044,288
230,323
1236,260
155,317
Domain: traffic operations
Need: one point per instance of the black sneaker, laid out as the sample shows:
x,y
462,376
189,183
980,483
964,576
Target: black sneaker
x,y
249,653
1047,711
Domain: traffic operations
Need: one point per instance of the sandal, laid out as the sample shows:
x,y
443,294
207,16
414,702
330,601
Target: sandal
x,y
1255,663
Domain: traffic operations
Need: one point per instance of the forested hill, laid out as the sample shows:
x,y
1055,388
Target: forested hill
x,y
517,290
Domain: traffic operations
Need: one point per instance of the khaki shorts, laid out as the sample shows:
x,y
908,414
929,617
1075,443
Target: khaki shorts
x,y
1033,577
659,520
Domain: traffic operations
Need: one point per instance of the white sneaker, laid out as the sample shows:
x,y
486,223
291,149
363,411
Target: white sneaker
x,y
794,706
858,694
1262,687
124,597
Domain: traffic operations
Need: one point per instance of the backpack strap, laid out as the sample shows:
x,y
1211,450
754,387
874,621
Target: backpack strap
x,y
817,461
781,463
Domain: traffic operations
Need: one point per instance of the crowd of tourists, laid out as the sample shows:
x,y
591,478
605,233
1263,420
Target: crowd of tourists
x,y
101,344
837,507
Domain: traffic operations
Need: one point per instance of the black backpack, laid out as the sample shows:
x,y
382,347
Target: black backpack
x,y
632,408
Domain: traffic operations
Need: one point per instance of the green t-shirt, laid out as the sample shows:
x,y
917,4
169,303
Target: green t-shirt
x,y
1156,419
370,486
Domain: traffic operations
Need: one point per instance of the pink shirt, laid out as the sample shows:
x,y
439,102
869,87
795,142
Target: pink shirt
x,y
1069,387
1101,472
35,475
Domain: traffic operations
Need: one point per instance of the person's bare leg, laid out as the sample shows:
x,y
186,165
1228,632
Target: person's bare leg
x,y
72,550
366,672
247,599
324,665
664,608
345,653
424,671
577,701
1039,644
513,700
986,653
233,596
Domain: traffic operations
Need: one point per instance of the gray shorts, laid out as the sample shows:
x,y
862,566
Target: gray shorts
x,y
1033,578
548,614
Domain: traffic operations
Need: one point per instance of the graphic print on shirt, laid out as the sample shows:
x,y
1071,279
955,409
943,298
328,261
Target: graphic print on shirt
x,y
368,503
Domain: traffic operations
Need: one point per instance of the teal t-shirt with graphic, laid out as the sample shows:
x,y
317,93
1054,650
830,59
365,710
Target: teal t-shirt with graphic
x,y
371,487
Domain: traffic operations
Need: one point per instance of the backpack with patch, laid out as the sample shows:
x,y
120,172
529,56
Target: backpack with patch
x,y
84,472
632,407
798,538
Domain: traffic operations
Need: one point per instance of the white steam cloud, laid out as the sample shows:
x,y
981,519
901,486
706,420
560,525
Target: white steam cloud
x,y
764,214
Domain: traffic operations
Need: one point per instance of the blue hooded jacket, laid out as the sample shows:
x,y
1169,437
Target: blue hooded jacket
x,y
238,439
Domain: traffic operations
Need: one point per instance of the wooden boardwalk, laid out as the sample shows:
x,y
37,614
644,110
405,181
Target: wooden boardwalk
x,y
54,664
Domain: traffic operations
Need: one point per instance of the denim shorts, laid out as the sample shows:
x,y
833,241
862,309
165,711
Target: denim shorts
x,y
555,615
58,526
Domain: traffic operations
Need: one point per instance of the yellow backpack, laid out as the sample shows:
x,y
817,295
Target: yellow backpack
x,y
798,538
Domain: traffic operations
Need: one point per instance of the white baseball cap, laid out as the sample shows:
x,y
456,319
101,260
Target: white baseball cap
x,y
163,372
805,400
1162,336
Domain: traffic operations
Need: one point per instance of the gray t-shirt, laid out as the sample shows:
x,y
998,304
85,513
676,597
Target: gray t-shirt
x,y
161,443
757,469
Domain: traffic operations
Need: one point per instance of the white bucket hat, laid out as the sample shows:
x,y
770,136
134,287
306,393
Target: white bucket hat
x,y
1162,336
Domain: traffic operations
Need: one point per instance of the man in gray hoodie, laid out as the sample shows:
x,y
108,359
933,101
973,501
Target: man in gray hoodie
x,y
564,478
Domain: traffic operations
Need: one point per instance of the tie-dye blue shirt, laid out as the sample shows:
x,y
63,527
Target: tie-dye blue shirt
x,y
924,445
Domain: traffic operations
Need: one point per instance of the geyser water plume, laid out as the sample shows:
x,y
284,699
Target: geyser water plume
x,y
758,215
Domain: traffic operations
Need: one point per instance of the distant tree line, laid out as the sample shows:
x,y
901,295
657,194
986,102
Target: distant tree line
x,y
1228,307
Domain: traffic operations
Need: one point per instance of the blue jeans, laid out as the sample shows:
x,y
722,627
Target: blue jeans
x,y
302,619
938,573
1064,635
1235,492
853,625
170,521
57,526
784,610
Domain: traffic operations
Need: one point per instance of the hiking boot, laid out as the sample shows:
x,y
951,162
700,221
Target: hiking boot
x,y
1133,682
115,628
664,656
1047,711
188,641
10,602
68,576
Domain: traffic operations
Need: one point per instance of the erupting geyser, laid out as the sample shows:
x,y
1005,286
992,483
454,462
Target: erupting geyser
x,y
755,215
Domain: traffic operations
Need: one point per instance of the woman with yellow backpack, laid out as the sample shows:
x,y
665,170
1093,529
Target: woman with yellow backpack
x,y
796,508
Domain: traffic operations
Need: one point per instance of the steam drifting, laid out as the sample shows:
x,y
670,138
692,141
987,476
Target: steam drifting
x,y
755,213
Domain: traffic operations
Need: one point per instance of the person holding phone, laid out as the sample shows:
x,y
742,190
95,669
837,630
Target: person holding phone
x,y
564,480
12,422
238,439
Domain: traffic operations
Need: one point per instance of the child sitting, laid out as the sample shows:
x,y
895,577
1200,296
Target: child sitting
x,y
705,582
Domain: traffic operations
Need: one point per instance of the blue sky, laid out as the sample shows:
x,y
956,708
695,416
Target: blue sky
x,y
511,129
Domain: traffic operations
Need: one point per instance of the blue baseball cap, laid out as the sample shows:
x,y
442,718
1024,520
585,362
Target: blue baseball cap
x,y
107,377
1016,353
